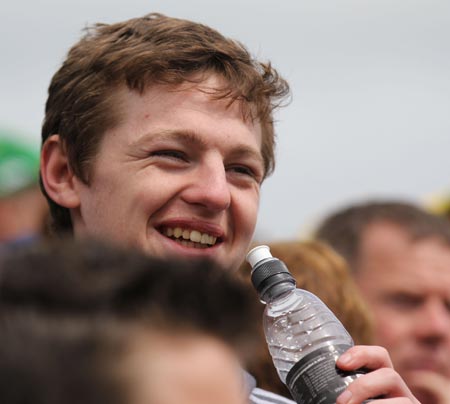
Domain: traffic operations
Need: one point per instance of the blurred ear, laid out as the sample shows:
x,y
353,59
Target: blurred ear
x,y
57,176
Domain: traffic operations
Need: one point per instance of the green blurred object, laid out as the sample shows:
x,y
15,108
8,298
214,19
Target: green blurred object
x,y
19,164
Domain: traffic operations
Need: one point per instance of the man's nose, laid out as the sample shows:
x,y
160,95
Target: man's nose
x,y
209,187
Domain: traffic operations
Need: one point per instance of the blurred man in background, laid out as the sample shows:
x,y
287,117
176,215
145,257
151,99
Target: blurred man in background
x,y
400,258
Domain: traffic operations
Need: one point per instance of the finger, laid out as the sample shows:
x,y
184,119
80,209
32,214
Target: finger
x,y
385,383
359,356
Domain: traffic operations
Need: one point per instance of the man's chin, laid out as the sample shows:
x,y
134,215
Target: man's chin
x,y
429,387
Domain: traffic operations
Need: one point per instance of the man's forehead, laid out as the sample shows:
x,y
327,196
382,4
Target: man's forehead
x,y
175,107
215,87
392,250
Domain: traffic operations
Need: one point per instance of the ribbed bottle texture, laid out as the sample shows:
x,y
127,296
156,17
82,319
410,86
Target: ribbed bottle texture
x,y
297,324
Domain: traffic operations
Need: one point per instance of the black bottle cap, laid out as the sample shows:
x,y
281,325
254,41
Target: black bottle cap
x,y
270,276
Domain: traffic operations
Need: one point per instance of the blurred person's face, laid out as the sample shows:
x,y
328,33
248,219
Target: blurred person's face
x,y
22,215
407,286
179,176
184,369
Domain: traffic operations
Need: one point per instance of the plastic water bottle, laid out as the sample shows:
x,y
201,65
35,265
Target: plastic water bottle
x,y
304,337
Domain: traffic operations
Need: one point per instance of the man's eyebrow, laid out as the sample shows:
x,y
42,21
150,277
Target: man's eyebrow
x,y
189,137
243,151
184,136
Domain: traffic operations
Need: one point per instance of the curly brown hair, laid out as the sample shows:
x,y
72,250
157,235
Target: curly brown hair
x,y
140,52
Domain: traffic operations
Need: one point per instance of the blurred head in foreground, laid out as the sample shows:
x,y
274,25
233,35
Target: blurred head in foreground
x,y
85,322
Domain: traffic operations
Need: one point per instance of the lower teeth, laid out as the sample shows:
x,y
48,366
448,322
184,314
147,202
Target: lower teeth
x,y
190,244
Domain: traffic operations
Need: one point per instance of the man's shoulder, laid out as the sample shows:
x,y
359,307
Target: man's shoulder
x,y
260,396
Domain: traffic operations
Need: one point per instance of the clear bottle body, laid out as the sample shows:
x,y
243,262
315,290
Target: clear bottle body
x,y
298,323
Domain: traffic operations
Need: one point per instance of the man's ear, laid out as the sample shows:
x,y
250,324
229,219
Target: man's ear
x,y
57,176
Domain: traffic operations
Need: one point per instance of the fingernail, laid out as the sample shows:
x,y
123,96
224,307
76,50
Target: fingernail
x,y
345,397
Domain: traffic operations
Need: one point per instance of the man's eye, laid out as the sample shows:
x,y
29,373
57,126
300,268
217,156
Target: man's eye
x,y
405,301
242,170
246,171
172,154
447,305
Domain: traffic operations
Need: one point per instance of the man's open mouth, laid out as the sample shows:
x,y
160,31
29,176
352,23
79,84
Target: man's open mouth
x,y
190,238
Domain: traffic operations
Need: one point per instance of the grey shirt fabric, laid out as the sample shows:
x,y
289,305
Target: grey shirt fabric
x,y
260,396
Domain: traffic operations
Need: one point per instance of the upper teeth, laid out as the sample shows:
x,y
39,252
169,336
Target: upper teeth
x,y
193,235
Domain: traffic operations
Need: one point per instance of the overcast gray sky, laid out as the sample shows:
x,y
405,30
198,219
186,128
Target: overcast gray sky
x,y
370,115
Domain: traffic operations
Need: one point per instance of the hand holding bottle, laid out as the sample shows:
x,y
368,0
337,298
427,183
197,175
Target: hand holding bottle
x,y
381,380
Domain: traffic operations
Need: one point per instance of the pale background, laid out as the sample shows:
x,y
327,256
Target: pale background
x,y
370,115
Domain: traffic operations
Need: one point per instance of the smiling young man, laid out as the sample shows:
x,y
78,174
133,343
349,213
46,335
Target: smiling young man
x,y
179,174
158,134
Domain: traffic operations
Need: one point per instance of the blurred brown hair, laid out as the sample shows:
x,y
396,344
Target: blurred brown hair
x,y
73,314
344,229
320,270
